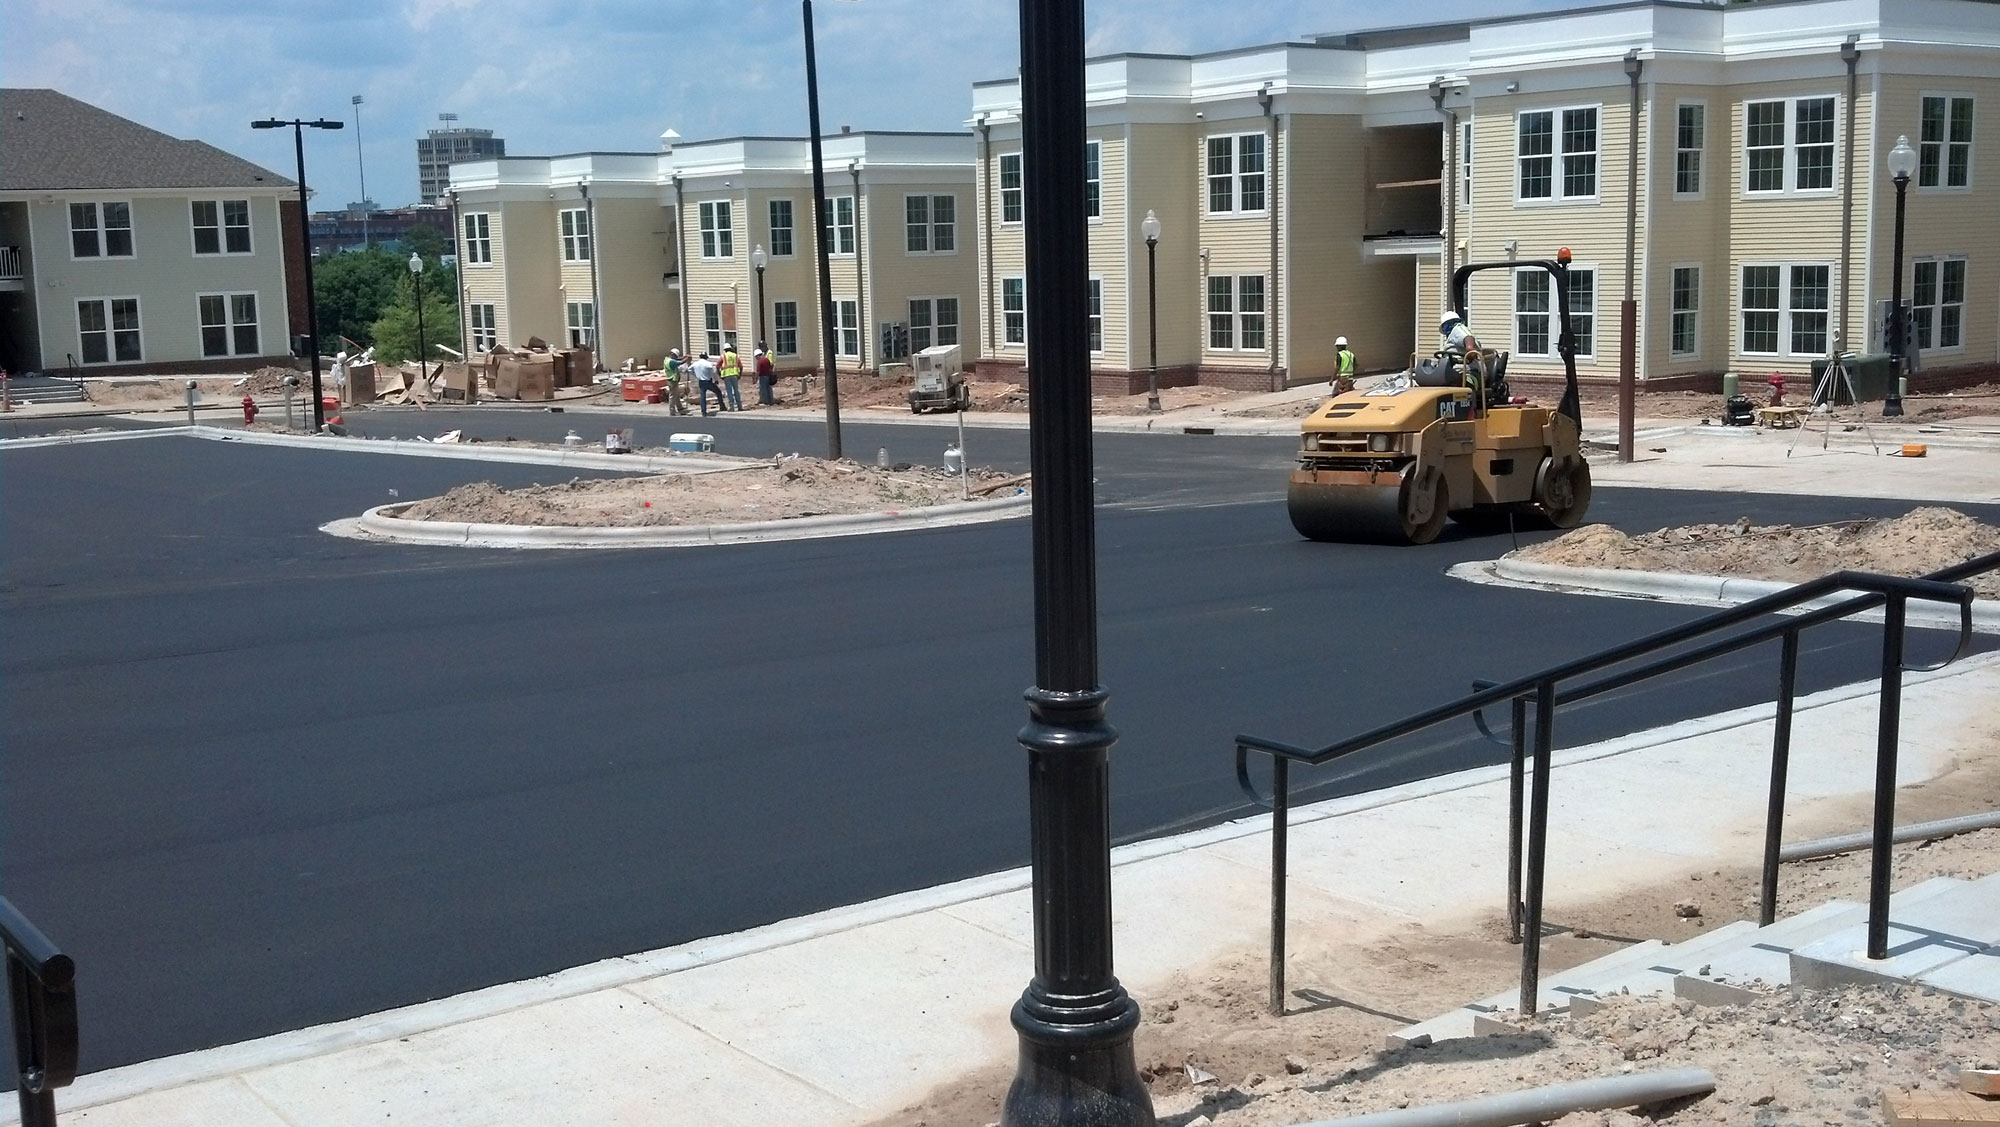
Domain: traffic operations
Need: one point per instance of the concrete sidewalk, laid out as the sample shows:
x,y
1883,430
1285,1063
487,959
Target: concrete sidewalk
x,y
852,1014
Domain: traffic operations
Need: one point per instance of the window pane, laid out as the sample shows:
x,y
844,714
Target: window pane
x,y
947,320
1250,162
1221,185
1531,313
1809,304
1813,129
1536,142
83,230
1687,127
917,223
1765,142
1010,188
1221,326
1094,322
1580,152
1250,301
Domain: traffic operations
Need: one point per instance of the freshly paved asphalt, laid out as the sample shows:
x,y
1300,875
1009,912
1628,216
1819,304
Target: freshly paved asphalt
x,y
256,778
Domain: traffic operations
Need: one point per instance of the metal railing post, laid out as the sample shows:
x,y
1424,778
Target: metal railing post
x,y
1538,842
1516,784
1781,757
42,996
1281,804
1885,775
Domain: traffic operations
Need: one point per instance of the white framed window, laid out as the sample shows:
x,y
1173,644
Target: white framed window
x,y
1690,136
1684,333
930,224
718,237
1236,313
1944,147
1537,330
1094,317
1937,302
1783,309
1093,179
1010,187
780,215
1465,164
100,230
840,240
485,327
1014,310
107,330
847,327
220,226
933,321
575,225
1788,145
1555,154
228,324
581,319
1236,174
478,238
718,324
785,327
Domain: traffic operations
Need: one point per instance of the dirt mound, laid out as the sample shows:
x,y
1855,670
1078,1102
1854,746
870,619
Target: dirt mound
x,y
1918,542
267,381
784,490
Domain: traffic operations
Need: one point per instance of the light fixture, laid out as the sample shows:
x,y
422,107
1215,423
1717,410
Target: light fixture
x,y
416,263
758,259
1902,159
1149,227
1512,87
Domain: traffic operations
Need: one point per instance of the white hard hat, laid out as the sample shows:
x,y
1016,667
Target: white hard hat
x,y
1340,342
1447,321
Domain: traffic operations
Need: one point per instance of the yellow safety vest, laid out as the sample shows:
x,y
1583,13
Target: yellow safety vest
x,y
731,366
1346,362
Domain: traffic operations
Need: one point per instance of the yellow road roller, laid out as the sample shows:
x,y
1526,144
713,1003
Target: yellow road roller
x,y
1445,440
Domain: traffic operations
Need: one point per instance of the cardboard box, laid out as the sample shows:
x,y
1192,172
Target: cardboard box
x,y
578,367
461,383
534,378
360,382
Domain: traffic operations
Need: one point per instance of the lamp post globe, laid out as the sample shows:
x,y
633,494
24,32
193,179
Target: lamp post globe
x,y
759,260
1149,229
417,278
1902,162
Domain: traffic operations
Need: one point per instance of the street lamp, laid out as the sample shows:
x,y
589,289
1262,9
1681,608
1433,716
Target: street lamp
x,y
1150,227
825,221
759,260
1902,162
417,277
299,127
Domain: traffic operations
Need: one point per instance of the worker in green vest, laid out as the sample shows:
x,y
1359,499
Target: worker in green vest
x,y
732,374
1343,379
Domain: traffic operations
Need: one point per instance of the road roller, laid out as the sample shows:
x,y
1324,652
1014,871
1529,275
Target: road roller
x,y
1445,440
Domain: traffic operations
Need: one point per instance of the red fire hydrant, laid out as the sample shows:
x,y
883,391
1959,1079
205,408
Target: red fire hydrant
x,y
1777,382
249,410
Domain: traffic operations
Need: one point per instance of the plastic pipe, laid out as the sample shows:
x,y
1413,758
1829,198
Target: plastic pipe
x,y
1537,1105
1849,843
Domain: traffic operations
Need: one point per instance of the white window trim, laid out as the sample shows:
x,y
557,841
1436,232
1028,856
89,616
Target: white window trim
x,y
1944,155
958,325
1937,309
706,210
570,326
1674,169
769,239
1004,342
103,242
1556,198
1097,219
841,327
221,228
485,240
777,328
1098,281
1555,322
1000,187
834,227
110,334
229,325
471,319
1699,282
930,224
1236,315
1784,306
1791,169
1236,175
584,237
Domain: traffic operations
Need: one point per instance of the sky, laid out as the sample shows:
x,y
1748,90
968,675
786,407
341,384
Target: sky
x,y
581,75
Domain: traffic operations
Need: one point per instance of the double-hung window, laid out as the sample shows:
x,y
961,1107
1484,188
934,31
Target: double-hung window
x,y
930,224
221,226
1010,187
933,321
781,228
840,239
718,236
1014,310
1094,316
1937,302
575,225
847,327
1236,313
485,329
1690,130
1555,154
581,319
785,327
1093,179
100,230
1784,309
1788,145
1537,329
1685,332
1944,153
1236,173
718,322
108,330
478,239
1465,163
228,324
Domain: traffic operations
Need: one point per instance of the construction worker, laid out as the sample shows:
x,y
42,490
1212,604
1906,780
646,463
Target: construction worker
x,y
707,381
767,374
1460,344
732,372
676,395
1343,379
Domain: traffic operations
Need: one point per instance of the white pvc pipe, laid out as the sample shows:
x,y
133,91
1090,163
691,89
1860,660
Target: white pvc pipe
x,y
1537,1105
1850,843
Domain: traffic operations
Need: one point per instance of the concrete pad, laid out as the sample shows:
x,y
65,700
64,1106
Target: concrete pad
x,y
1938,922
198,1105
1975,976
1767,959
816,1010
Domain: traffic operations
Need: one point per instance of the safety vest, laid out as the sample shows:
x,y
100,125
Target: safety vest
x,y
1346,362
731,366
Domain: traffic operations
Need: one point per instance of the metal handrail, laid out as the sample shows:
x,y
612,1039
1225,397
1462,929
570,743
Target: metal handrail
x,y
1525,912
41,984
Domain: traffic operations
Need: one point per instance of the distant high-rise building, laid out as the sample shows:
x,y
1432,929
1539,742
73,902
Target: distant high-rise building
x,y
439,149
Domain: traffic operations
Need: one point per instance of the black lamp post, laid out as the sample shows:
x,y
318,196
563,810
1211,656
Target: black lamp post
x,y
1150,227
1074,1020
299,127
759,260
417,277
825,221
1902,162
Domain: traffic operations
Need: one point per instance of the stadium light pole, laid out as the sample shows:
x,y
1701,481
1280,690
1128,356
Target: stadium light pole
x,y
299,127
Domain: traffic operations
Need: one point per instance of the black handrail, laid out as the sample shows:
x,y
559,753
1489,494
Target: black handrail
x,y
41,984
1525,919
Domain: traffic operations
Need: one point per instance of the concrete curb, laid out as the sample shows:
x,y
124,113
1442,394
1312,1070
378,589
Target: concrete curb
x,y
383,523
1696,590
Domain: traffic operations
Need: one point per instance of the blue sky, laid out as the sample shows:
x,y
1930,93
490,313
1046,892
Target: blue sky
x,y
584,74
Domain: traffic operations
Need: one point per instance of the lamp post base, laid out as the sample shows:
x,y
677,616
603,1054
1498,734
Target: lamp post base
x,y
1076,1067
1892,407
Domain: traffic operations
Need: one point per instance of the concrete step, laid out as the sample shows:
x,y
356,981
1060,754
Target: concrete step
x,y
1931,927
1461,1021
1731,977
1657,976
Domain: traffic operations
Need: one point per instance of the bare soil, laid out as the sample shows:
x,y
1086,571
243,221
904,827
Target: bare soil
x,y
783,489
171,391
1209,1051
1923,540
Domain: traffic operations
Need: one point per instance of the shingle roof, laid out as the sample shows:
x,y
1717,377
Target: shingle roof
x,y
49,141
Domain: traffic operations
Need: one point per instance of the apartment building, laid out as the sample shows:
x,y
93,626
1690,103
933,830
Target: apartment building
x,y
658,250
1340,180
123,249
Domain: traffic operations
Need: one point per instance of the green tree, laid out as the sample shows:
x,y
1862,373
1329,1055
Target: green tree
x,y
425,241
394,332
351,290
